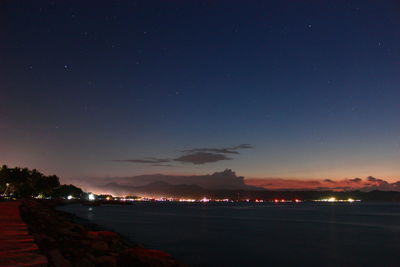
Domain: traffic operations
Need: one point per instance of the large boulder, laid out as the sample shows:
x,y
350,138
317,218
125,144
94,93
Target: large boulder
x,y
146,257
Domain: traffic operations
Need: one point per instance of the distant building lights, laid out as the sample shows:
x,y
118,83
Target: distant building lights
x,y
70,197
204,199
332,199
92,197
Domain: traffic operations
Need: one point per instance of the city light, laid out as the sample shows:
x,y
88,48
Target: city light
x,y
333,199
204,199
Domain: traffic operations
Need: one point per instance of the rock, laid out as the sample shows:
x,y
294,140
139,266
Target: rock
x,y
84,263
67,243
78,228
147,257
99,245
58,259
106,261
107,236
102,234
45,241
85,242
111,238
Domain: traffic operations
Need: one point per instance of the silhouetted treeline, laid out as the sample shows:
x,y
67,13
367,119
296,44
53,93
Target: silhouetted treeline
x,y
22,182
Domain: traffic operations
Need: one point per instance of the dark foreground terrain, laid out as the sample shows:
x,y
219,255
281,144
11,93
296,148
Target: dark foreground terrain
x,y
66,243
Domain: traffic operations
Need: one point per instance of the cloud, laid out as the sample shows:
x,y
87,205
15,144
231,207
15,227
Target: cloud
x,y
369,184
195,156
375,181
224,180
372,179
283,184
163,165
336,188
355,180
379,184
145,160
201,158
224,150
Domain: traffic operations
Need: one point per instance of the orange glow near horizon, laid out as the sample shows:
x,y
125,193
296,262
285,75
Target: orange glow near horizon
x,y
322,184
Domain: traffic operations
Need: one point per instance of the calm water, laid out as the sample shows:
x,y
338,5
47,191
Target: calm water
x,y
245,234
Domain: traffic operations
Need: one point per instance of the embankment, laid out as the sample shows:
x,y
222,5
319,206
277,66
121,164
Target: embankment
x,y
67,243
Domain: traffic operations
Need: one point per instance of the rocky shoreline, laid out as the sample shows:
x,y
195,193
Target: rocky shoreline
x,y
67,243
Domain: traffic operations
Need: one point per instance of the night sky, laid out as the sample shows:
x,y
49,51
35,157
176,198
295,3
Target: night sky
x,y
284,89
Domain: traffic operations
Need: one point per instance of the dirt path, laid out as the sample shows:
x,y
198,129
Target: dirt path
x,y
17,247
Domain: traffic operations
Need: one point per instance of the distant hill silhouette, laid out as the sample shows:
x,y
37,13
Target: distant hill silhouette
x,y
225,180
155,189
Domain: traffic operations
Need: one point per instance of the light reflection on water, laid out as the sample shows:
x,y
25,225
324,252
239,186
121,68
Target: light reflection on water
x,y
259,234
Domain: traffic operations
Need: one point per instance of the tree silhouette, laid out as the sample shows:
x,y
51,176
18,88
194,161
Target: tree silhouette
x,y
64,191
22,182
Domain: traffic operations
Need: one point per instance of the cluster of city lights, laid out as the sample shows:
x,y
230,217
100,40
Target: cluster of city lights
x,y
276,200
333,199
92,197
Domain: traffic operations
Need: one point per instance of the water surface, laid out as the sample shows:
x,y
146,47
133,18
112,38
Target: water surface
x,y
259,234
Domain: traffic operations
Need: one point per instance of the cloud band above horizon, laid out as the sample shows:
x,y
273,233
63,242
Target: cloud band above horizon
x,y
195,156
370,183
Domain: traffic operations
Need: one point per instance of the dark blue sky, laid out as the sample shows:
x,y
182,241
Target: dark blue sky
x,y
97,88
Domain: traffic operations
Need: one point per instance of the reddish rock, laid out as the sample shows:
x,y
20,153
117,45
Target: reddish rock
x,y
45,240
147,257
67,243
102,234
106,261
99,245
84,263
58,259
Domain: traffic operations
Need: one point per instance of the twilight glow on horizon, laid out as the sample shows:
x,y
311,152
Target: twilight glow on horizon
x,y
292,91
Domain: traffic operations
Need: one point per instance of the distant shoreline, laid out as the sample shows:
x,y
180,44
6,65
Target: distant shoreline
x,y
258,196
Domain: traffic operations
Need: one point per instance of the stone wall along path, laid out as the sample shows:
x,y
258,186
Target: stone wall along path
x,y
17,246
